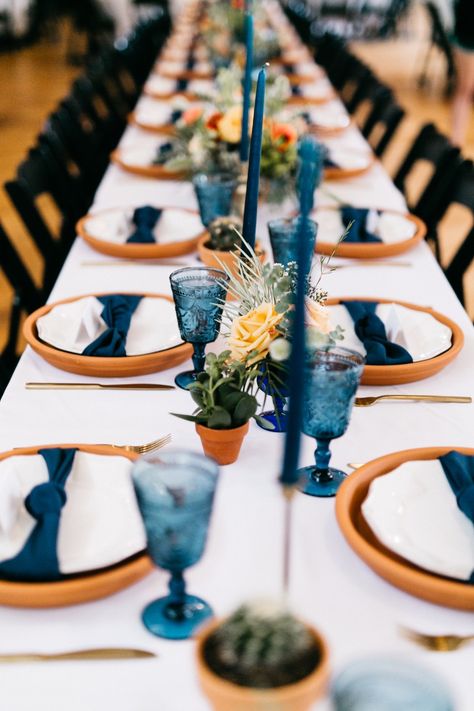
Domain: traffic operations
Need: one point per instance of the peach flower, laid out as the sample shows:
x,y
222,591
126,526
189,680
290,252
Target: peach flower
x,y
285,135
254,331
192,115
230,125
317,316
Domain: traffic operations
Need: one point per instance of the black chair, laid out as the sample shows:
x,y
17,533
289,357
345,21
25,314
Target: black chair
x,y
431,164
26,297
462,193
439,41
382,122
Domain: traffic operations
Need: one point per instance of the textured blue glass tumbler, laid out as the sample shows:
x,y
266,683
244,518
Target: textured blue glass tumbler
x,y
199,295
330,384
283,238
389,685
214,194
175,493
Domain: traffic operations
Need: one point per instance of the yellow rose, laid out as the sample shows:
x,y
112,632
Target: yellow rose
x,y
317,316
230,125
254,332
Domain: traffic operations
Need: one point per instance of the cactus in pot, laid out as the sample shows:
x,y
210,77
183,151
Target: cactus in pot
x,y
224,234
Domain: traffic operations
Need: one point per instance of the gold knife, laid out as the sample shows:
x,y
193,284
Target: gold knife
x,y
98,386
79,655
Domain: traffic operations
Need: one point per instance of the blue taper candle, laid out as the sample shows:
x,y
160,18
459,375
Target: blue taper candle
x,y
253,177
288,477
246,88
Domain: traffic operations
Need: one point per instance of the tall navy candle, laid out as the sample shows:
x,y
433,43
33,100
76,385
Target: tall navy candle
x,y
247,88
253,178
288,475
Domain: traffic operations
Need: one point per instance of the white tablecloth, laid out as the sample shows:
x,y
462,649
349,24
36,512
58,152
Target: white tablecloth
x,y
357,611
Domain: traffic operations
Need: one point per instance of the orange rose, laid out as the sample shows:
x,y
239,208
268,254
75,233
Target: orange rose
x,y
284,135
192,115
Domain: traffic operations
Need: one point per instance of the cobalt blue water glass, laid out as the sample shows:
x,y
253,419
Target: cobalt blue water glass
x,y
273,382
330,384
214,194
389,685
283,238
199,295
175,493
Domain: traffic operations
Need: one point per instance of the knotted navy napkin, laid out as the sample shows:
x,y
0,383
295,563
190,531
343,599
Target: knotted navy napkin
x,y
117,314
358,231
145,219
163,153
371,331
190,62
181,85
38,559
459,471
176,115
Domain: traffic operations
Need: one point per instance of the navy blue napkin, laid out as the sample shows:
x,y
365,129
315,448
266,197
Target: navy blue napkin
x,y
459,471
358,231
329,163
176,115
163,153
38,559
371,331
182,84
190,62
145,219
117,314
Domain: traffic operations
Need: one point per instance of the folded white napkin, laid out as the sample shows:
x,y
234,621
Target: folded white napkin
x,y
413,512
417,331
390,227
73,326
157,84
169,66
201,86
155,113
319,89
330,115
174,225
350,158
100,522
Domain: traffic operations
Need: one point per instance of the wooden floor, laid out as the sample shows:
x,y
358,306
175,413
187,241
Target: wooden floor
x,y
33,80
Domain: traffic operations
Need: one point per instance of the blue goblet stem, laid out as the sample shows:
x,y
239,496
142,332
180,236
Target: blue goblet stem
x,y
322,456
199,357
177,588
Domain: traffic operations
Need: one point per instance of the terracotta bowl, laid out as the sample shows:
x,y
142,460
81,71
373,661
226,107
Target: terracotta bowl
x,y
226,696
166,129
82,587
135,250
96,366
396,570
348,173
409,372
158,172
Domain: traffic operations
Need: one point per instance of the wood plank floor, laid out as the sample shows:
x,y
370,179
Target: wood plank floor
x,y
33,80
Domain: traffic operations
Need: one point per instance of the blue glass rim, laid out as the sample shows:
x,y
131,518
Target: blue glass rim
x,y
201,180
338,354
289,222
211,272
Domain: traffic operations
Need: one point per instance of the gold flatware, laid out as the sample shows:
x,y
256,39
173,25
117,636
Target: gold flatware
x,y
367,401
131,263
142,448
80,655
98,386
437,642
369,263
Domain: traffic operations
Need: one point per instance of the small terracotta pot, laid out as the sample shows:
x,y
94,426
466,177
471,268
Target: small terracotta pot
x,y
222,445
215,257
226,696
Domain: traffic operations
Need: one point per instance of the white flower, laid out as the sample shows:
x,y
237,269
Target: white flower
x,y
280,349
196,150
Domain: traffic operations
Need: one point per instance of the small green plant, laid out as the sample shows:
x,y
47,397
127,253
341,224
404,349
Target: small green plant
x,y
262,646
224,234
224,394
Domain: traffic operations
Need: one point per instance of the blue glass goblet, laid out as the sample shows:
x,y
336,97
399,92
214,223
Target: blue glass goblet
x,y
214,194
331,378
199,295
273,382
283,238
175,493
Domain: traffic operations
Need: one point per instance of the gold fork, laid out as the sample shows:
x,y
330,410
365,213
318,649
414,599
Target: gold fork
x,y
367,401
437,642
142,448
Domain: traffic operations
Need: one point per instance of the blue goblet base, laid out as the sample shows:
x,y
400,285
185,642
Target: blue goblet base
x,y
182,380
279,422
164,618
322,484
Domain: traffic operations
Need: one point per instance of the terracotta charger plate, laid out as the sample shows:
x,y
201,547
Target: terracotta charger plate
x,y
96,366
82,587
409,372
372,250
393,568
165,129
158,172
189,95
188,74
347,173
328,131
136,250
312,101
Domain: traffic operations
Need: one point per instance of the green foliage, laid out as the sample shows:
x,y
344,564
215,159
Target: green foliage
x,y
224,393
224,234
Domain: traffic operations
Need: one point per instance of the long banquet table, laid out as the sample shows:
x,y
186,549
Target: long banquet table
x,y
357,611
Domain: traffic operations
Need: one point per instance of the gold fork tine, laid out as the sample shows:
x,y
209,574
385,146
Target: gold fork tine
x,y
437,643
157,444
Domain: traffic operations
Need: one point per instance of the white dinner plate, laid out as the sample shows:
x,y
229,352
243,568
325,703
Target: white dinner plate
x,y
319,89
74,325
413,511
417,331
153,112
390,227
157,84
100,498
331,115
174,225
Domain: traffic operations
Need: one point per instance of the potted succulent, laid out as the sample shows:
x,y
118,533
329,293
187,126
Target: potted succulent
x,y
261,658
225,397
